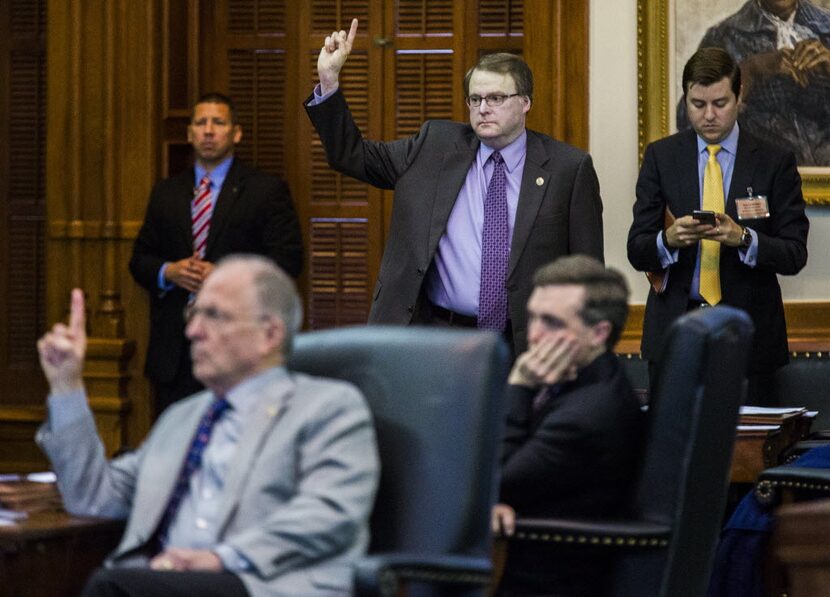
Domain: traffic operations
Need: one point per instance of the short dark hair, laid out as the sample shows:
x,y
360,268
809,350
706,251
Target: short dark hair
x,y
606,291
506,64
710,65
214,97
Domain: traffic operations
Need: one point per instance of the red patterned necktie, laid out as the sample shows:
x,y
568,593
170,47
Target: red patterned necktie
x,y
200,212
495,251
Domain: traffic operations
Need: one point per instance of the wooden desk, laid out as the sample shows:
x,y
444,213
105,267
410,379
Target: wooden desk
x,y
755,451
52,553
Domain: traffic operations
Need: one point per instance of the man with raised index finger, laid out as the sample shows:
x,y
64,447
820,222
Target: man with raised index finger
x,y
478,207
260,485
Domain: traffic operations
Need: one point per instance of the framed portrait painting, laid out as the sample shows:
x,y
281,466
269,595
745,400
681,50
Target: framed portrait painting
x,y
783,47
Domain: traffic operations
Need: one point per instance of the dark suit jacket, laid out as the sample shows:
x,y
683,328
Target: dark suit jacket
x,y
253,214
559,211
575,457
669,178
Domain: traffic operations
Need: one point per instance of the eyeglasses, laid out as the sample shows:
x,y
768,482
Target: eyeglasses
x,y
494,100
213,316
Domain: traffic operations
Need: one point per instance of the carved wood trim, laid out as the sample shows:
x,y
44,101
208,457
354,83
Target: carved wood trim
x,y
808,327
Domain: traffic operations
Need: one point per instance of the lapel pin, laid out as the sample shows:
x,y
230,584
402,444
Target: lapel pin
x,y
272,411
540,181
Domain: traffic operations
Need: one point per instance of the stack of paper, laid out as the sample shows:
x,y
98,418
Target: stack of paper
x,y
21,494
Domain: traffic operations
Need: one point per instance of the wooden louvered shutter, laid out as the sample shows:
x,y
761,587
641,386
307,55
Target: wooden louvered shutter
x,y
344,217
501,17
22,206
256,85
428,54
343,214
254,49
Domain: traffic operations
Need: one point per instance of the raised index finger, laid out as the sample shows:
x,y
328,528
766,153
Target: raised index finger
x,y
77,314
352,35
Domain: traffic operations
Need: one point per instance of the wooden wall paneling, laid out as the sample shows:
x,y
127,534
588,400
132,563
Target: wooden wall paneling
x,y
181,55
102,150
556,48
138,123
108,320
808,327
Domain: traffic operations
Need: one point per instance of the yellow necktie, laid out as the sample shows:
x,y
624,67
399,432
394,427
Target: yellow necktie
x,y
710,249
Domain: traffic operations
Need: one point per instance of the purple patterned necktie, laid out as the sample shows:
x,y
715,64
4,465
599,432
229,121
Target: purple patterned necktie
x,y
495,251
192,462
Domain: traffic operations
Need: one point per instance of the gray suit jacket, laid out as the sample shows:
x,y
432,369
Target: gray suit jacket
x,y
559,211
296,506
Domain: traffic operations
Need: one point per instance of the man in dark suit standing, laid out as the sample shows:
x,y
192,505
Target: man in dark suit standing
x,y
218,207
759,228
574,425
478,207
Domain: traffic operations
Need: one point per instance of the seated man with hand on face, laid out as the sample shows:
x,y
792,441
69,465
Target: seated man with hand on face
x,y
260,485
574,424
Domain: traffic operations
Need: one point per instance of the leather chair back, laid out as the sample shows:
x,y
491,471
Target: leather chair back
x,y
684,477
437,400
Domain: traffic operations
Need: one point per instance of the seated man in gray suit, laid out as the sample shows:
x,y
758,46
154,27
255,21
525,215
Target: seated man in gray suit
x,y
260,485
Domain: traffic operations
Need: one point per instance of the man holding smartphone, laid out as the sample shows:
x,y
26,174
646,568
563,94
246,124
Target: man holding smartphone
x,y
738,214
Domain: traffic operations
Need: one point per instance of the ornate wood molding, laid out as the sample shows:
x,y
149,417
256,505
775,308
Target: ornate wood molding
x,y
808,327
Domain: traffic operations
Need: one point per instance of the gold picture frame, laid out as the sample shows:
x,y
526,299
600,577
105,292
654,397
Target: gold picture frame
x,y
653,95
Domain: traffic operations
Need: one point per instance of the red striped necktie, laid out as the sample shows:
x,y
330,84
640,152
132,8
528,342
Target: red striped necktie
x,y
200,212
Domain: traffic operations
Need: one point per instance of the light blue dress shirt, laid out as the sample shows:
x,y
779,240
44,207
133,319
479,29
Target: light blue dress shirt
x,y
726,159
217,179
454,280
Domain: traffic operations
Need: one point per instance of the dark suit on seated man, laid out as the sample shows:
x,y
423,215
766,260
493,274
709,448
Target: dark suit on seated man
x,y
261,485
574,424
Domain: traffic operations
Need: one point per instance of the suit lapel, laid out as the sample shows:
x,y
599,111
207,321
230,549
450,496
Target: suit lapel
x,y
257,430
181,204
452,174
224,204
531,195
745,164
687,174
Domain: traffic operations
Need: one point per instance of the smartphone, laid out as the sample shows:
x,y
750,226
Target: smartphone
x,y
705,217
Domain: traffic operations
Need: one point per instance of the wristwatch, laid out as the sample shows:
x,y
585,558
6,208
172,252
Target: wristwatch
x,y
746,238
